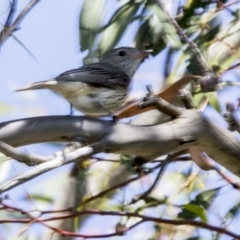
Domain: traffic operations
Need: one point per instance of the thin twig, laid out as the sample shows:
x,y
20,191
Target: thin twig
x,y
209,81
201,60
21,156
122,184
159,175
7,31
226,5
144,218
76,155
162,105
220,171
11,14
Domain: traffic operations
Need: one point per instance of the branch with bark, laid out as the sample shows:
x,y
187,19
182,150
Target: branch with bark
x,y
142,218
189,128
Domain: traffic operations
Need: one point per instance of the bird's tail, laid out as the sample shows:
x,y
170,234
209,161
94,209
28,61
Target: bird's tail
x,y
49,84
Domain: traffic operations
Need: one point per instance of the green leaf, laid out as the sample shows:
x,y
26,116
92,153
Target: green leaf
x,y
156,32
205,198
117,26
189,11
148,34
151,201
198,210
198,206
41,198
128,161
233,211
214,101
90,22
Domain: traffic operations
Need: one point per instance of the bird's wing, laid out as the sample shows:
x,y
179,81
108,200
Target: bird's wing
x,y
104,75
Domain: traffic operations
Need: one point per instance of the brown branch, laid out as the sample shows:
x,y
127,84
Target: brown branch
x,y
226,5
122,184
144,218
159,175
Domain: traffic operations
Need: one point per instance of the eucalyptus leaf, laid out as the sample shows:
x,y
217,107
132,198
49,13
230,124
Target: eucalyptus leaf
x,y
148,36
198,210
233,211
90,22
198,206
119,22
41,198
206,197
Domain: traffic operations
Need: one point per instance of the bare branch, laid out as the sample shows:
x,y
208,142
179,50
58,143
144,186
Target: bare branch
x,y
13,6
187,99
21,156
146,193
162,105
191,128
144,218
7,31
78,154
202,62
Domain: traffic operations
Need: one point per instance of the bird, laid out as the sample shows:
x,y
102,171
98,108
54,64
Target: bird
x,y
97,89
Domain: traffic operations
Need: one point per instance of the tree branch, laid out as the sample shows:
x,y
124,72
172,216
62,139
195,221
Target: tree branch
x,y
192,128
78,154
144,218
209,81
8,30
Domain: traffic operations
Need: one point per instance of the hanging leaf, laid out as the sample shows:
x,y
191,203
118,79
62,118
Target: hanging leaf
x,y
41,198
205,198
195,210
198,206
117,26
233,211
148,36
90,22
156,32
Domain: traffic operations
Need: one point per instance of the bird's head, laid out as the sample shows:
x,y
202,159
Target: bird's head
x,y
126,58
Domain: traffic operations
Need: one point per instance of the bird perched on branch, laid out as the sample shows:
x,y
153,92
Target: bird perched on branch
x,y
97,89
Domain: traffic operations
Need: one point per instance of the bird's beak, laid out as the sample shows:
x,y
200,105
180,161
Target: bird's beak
x,y
143,54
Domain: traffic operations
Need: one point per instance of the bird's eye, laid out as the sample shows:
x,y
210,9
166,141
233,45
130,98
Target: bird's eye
x,y
122,53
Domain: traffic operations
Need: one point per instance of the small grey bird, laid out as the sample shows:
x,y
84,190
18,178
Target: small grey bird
x,y
97,89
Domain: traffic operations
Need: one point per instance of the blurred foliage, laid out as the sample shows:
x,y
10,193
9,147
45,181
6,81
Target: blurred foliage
x,y
198,206
101,31
5,108
217,37
181,194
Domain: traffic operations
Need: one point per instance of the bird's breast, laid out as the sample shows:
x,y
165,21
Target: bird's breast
x,y
101,101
